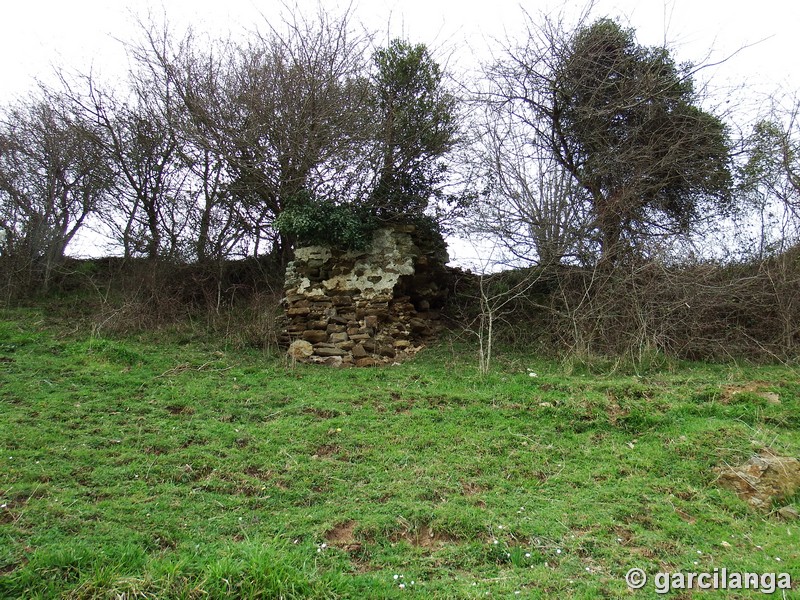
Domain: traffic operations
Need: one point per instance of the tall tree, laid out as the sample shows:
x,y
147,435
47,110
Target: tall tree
x,y
624,121
770,176
417,127
148,214
216,224
530,204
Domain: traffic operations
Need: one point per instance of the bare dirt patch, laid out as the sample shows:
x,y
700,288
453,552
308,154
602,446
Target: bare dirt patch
x,y
425,537
180,409
613,409
729,392
326,450
470,488
258,473
342,534
320,413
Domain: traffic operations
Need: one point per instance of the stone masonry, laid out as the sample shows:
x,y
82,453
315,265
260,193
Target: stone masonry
x,y
368,307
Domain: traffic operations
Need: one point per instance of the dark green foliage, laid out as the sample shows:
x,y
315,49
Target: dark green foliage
x,y
417,127
769,184
767,155
324,222
625,123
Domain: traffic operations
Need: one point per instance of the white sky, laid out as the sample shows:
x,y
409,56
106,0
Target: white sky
x,y
36,35
39,36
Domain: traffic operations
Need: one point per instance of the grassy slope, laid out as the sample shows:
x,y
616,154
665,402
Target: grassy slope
x,y
171,468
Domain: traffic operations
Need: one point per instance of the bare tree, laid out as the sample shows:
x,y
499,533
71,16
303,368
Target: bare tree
x,y
623,120
769,179
148,212
214,223
497,298
283,112
530,204
53,175
493,297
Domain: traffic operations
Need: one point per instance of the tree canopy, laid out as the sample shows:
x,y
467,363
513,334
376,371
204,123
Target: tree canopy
x,y
413,126
625,122
417,126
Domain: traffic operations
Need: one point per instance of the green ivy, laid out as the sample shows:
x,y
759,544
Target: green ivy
x,y
326,223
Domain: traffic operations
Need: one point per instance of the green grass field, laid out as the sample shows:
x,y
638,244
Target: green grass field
x,y
165,466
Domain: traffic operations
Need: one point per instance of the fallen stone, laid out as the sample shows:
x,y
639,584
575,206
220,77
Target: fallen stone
x,y
789,513
770,397
418,325
368,362
387,351
300,349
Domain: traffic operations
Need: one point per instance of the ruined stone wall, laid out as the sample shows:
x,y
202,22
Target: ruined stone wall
x,y
367,307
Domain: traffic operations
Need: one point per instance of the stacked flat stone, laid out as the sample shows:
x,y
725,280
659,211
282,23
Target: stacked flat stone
x,y
363,308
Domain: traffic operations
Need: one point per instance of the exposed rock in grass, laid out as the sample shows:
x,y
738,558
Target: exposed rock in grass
x,y
762,480
731,393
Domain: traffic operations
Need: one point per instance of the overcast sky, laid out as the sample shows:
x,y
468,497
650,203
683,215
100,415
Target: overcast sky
x,y
40,36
